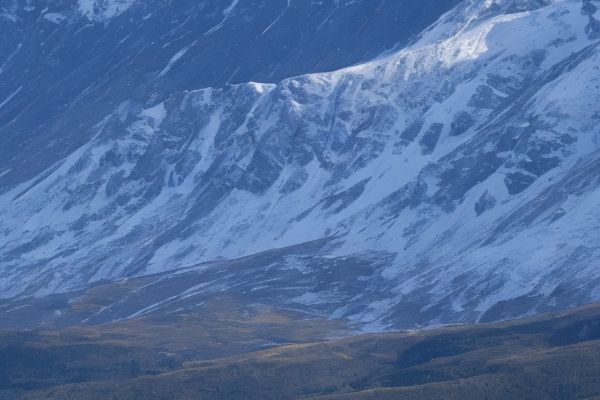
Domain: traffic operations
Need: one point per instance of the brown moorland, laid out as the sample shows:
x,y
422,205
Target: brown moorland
x,y
553,356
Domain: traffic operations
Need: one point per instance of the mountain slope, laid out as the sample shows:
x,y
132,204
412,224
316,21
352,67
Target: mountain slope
x,y
65,64
455,180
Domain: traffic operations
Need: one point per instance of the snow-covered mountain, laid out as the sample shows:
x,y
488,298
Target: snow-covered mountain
x,y
65,64
456,178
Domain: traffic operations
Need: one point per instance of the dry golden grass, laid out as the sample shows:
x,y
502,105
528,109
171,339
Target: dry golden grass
x,y
548,357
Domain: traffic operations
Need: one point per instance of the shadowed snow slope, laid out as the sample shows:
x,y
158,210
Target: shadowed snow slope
x,y
461,171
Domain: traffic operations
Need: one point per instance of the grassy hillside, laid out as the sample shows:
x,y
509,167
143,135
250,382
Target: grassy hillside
x,y
548,357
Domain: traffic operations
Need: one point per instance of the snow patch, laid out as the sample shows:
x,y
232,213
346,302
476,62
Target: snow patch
x,y
102,10
156,113
10,97
56,18
174,59
226,13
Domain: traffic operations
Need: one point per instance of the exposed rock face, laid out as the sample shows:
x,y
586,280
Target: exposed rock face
x,y
590,8
462,169
68,63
